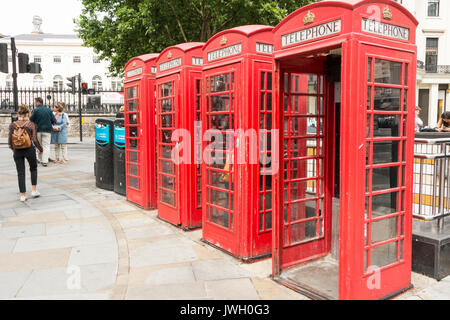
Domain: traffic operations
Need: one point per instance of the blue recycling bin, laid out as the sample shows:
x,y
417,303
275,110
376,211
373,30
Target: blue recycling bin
x,y
119,157
104,158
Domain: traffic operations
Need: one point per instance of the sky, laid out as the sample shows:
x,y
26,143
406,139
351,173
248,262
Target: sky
x,y
57,16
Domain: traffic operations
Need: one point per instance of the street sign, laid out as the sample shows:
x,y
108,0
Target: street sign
x,y
111,97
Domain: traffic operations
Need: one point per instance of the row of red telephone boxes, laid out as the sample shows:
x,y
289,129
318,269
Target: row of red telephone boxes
x,y
168,91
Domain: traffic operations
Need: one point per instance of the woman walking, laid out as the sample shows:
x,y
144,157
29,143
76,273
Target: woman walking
x,y
22,136
59,134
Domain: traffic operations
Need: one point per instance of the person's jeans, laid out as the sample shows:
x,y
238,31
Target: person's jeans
x,y
44,139
19,158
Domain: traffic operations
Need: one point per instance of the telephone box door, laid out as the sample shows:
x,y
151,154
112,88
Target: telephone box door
x,y
302,221
168,122
379,263
135,157
219,175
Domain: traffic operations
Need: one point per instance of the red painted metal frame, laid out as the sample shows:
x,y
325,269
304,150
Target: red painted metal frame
x,y
184,73
357,46
140,151
245,238
320,192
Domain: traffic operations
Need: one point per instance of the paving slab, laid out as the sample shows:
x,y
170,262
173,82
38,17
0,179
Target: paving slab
x,y
6,213
231,289
96,277
174,275
195,235
10,198
261,269
94,254
79,213
206,252
420,282
51,201
34,260
22,231
182,291
113,203
413,298
34,219
218,269
138,275
55,281
438,291
13,203
77,226
121,208
81,296
270,290
157,230
161,253
11,282
64,240
7,245
136,220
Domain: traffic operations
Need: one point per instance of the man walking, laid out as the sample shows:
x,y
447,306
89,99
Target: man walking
x,y
44,119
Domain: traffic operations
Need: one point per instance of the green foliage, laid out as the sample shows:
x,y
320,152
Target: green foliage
x,y
121,29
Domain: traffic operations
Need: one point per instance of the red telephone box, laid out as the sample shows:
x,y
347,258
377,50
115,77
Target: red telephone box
x,y
345,73
140,130
178,81
237,109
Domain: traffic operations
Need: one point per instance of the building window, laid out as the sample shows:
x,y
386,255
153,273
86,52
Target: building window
x,y
431,55
95,59
38,82
76,59
9,82
58,83
37,59
116,85
57,59
433,8
97,83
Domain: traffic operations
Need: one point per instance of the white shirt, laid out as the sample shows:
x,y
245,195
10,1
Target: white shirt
x,y
419,124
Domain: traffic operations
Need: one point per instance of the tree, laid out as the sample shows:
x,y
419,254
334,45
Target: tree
x,y
121,29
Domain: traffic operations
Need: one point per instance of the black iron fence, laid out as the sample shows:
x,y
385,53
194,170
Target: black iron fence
x,y
89,103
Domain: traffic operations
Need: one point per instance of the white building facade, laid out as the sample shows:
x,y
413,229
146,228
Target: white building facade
x,y
60,56
433,48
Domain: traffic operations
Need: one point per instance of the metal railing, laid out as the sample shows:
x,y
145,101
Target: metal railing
x,y
440,69
431,189
90,104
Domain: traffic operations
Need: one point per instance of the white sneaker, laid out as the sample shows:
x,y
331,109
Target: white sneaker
x,y
23,198
35,194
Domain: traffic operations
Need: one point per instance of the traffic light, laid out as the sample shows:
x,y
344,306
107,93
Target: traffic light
x,y
34,68
23,62
3,57
25,67
71,84
84,88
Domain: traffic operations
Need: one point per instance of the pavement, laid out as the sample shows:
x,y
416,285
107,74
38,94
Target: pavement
x,y
79,242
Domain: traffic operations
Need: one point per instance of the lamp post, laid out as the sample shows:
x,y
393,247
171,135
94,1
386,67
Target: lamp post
x,y
14,75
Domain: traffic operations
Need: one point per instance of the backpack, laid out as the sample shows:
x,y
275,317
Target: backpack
x,y
20,138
